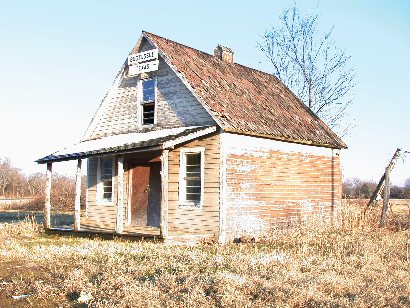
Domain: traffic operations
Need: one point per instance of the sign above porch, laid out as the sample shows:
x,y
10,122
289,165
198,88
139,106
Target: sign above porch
x,y
143,62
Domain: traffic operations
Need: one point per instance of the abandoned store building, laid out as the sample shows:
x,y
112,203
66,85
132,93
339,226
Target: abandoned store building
x,y
188,144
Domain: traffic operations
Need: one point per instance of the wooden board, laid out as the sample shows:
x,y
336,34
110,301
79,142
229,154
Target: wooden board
x,y
139,196
154,196
146,195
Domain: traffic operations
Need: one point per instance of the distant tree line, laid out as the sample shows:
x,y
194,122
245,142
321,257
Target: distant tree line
x,y
15,184
354,188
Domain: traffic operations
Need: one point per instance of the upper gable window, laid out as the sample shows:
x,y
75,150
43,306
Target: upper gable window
x,y
148,101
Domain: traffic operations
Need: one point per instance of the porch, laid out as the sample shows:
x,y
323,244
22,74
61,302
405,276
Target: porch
x,y
123,196
127,182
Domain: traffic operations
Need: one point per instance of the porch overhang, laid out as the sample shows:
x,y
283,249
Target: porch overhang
x,y
133,142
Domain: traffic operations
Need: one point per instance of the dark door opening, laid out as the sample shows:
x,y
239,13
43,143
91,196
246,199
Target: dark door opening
x,y
146,195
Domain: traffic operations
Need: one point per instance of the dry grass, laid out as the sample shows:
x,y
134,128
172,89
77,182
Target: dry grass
x,y
355,264
24,204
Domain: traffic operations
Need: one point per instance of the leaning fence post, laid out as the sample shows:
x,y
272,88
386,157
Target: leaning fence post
x,y
386,197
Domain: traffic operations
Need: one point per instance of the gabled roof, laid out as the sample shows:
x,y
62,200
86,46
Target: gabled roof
x,y
142,141
244,100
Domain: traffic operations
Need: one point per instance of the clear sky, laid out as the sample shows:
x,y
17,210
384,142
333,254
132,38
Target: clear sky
x,y
58,58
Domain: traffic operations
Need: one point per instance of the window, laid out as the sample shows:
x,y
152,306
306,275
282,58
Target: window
x,y
148,101
105,176
192,177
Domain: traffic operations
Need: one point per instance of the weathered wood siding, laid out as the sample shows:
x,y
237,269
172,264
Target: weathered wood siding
x,y
271,183
175,104
100,216
186,220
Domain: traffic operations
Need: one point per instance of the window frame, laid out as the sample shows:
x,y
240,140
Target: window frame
x,y
182,175
100,183
142,102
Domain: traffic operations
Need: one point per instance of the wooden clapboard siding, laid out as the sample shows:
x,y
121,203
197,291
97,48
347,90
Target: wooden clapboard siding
x,y
269,184
100,216
175,104
189,220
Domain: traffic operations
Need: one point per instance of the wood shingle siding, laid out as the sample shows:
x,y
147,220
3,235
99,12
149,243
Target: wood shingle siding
x,y
175,104
189,220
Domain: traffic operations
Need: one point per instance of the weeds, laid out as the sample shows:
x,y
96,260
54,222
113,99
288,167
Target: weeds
x,y
353,263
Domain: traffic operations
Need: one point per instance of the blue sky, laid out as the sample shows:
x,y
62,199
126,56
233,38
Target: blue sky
x,y
58,59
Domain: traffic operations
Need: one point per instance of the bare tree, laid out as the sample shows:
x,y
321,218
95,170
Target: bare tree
x,y
36,184
18,185
312,66
6,174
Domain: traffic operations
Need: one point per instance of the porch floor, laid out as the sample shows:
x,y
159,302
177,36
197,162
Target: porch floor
x,y
129,231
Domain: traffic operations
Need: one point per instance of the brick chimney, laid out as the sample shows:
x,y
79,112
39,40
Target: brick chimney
x,y
224,54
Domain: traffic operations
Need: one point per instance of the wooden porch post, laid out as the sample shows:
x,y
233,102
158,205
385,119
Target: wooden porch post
x,y
77,206
47,203
164,194
120,198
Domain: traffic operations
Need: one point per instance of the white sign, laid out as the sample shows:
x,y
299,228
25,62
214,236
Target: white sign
x,y
143,57
143,68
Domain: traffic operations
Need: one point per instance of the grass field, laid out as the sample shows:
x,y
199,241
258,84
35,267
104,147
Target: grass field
x,y
353,264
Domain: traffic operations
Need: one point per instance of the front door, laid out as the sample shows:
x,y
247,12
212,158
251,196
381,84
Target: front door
x,y
146,195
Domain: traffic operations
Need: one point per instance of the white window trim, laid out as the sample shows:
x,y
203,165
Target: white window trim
x,y
99,199
141,102
182,183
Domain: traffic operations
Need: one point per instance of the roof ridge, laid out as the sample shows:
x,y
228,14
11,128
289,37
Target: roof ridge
x,y
175,42
319,132
234,63
210,55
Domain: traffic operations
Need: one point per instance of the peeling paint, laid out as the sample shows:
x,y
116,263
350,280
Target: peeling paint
x,y
245,168
248,224
241,145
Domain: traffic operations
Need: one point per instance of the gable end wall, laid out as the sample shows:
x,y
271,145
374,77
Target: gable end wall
x,y
175,106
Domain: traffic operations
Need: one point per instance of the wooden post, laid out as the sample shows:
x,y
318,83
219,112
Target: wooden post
x,y
164,194
382,181
77,205
47,203
386,197
130,173
120,195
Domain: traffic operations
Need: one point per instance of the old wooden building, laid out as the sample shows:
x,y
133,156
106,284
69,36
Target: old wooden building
x,y
188,144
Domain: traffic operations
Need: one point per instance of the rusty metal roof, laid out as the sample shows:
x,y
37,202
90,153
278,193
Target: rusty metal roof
x,y
244,100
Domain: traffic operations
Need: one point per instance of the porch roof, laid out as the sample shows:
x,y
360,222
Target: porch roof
x,y
151,140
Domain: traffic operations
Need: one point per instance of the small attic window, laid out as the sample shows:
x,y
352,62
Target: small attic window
x,y
148,101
